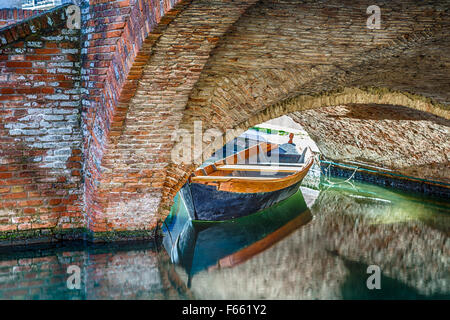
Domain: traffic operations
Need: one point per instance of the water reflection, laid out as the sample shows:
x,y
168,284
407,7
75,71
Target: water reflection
x,y
122,271
355,225
200,245
318,247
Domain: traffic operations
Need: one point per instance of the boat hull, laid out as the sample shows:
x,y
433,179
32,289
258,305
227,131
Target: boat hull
x,y
199,246
215,194
223,205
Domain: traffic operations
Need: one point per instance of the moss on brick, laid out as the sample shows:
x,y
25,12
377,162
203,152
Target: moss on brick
x,y
113,236
40,236
26,237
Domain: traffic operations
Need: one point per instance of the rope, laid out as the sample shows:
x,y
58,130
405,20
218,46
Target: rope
x,y
327,174
392,174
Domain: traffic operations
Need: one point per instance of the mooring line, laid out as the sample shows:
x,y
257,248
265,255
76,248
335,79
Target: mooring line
x,y
327,173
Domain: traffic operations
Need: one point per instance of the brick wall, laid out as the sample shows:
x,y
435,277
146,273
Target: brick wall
x,y
129,184
40,153
115,49
364,134
12,16
87,118
60,86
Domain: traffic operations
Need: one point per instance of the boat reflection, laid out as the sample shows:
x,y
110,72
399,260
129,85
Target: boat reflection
x,y
355,225
204,245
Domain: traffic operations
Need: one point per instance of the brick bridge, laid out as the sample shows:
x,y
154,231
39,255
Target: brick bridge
x,y
87,117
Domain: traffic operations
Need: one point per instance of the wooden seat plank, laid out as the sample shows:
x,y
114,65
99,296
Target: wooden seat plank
x,y
293,164
227,178
260,168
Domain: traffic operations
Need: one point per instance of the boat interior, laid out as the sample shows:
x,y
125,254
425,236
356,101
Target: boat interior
x,y
262,161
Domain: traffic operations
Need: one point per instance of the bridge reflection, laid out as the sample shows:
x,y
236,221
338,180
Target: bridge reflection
x,y
354,225
281,254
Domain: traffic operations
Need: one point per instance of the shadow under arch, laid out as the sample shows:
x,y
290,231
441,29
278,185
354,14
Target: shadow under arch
x,y
179,173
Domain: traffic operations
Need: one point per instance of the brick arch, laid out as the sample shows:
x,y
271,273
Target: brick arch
x,y
345,96
124,174
232,63
250,70
355,95
131,29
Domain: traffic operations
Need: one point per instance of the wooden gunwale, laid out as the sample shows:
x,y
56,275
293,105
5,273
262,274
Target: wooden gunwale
x,y
247,184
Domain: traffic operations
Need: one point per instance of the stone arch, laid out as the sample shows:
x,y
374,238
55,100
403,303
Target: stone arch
x,y
146,68
232,63
348,96
127,177
300,103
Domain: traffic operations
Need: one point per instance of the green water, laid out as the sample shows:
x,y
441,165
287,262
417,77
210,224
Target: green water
x,y
350,227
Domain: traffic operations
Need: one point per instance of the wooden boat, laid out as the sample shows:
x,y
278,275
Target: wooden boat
x,y
246,182
199,245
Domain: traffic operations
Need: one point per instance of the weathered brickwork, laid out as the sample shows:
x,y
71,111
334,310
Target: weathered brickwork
x,y
110,88
276,58
141,69
12,16
134,167
40,153
400,139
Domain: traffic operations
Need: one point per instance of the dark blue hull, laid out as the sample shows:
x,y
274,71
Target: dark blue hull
x,y
207,203
197,245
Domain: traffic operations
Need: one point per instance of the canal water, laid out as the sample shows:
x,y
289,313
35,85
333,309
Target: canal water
x,y
319,244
